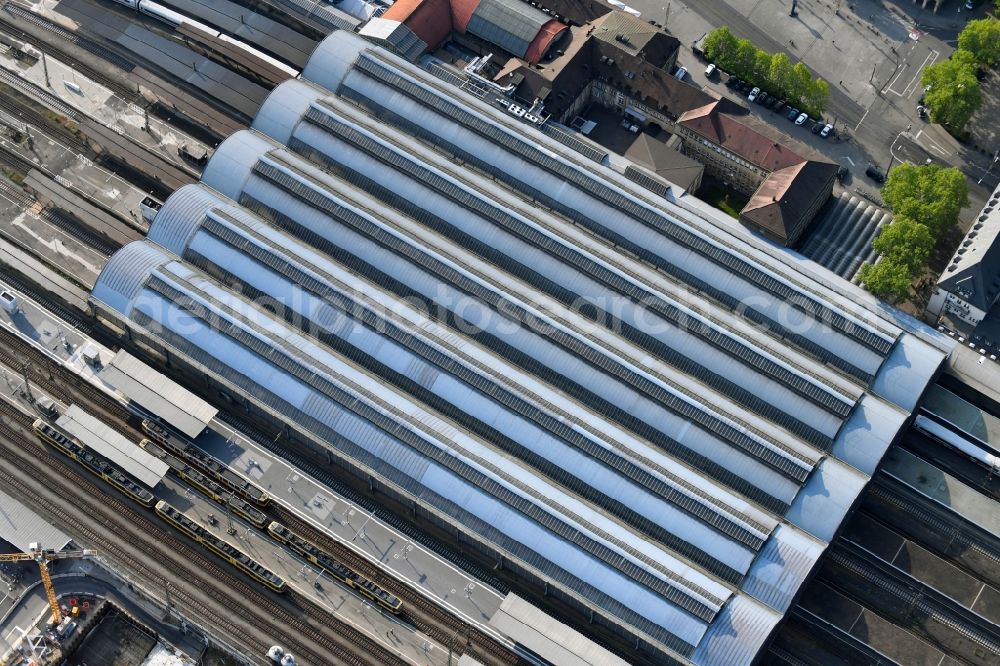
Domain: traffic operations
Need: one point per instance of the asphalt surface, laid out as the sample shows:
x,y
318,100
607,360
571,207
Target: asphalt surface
x,y
719,12
872,54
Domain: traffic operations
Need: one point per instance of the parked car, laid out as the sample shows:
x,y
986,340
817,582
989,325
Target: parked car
x,y
763,99
803,117
969,6
826,131
710,70
921,111
681,73
753,94
731,82
778,104
842,174
875,173
792,114
817,127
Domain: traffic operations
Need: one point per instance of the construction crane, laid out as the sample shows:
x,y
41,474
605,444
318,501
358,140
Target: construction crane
x,y
43,557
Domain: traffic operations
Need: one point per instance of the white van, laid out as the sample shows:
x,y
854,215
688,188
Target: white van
x,y
710,70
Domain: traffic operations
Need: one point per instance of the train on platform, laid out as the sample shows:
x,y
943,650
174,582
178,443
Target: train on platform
x,y
176,19
181,447
162,445
94,462
952,439
206,486
341,572
221,548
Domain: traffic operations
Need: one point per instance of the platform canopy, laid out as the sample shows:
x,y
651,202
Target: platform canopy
x,y
132,458
157,394
21,526
547,637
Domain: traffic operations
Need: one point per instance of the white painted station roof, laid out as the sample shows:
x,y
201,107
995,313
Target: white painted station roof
x,y
158,394
21,526
547,637
103,439
680,469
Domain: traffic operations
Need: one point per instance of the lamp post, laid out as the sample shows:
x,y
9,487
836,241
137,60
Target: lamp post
x,y
996,157
229,515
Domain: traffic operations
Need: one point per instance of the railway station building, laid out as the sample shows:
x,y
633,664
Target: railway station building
x,y
615,394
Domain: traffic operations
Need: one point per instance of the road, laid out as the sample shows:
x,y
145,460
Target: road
x,y
719,12
871,52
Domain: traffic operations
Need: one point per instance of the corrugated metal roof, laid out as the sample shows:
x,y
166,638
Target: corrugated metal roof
x,y
547,637
158,394
21,526
240,249
510,24
737,635
103,439
737,421
395,36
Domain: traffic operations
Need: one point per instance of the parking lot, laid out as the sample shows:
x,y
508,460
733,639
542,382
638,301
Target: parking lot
x,y
871,52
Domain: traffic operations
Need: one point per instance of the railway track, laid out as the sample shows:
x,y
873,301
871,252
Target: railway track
x,y
438,623
296,628
907,599
53,217
427,616
38,94
434,621
66,36
69,315
22,106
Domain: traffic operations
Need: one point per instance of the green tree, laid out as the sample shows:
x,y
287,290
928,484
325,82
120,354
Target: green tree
x,y
745,57
929,194
953,91
762,69
800,82
906,242
887,279
982,39
819,92
781,73
720,45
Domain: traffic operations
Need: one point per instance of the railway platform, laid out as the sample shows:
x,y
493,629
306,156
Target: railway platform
x,y
60,340
316,503
81,175
37,232
387,630
944,489
91,98
971,420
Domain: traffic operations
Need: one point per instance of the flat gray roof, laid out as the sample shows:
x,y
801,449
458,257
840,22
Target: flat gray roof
x,y
549,638
104,440
20,525
158,394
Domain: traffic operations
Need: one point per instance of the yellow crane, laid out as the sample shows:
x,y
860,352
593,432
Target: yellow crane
x,y
43,557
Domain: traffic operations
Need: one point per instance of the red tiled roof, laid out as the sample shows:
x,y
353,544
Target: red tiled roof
x,y
461,13
430,20
549,33
781,203
728,132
